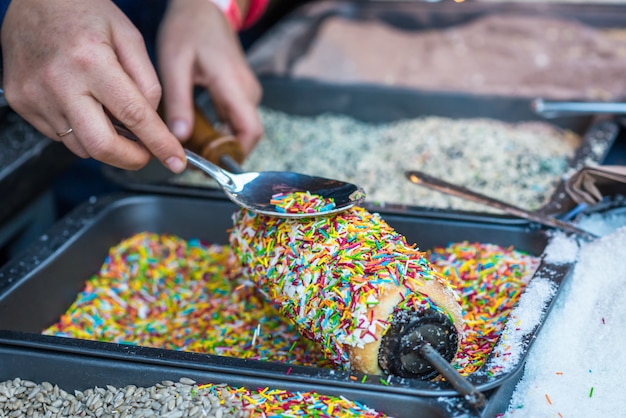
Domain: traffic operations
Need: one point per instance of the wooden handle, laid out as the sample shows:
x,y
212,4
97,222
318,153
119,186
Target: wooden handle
x,y
211,144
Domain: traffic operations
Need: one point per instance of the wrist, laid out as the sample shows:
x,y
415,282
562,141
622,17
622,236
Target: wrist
x,y
254,11
231,11
244,6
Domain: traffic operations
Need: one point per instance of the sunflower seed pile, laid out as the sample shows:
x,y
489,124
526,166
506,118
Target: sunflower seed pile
x,y
24,398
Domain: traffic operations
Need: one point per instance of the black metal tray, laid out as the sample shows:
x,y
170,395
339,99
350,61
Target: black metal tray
x,y
280,47
48,359
39,285
380,104
28,162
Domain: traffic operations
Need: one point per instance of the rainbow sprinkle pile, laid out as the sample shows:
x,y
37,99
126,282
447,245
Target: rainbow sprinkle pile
x,y
165,292
328,275
162,291
489,279
280,403
301,202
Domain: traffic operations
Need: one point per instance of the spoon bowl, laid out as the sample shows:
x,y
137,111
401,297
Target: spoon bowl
x,y
256,191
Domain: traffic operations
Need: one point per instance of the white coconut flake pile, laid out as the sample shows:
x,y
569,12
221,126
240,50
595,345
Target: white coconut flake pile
x,y
561,249
522,321
576,366
604,223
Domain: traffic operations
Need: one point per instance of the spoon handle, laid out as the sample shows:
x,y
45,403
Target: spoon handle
x,y
223,177
439,185
550,109
230,164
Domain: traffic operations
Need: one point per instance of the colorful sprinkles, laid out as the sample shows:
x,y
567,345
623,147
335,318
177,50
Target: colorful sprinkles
x,y
163,291
268,402
301,202
489,279
328,275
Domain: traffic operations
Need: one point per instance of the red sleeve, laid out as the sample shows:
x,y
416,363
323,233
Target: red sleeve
x,y
231,12
255,11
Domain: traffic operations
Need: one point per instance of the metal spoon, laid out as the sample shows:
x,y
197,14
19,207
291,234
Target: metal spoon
x,y
434,183
549,109
255,190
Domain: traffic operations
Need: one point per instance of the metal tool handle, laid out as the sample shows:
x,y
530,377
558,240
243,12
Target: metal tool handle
x,y
434,183
471,394
552,109
218,147
223,177
205,141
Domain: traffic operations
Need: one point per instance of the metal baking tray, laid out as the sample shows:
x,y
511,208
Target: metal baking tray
x,y
47,359
28,162
280,47
381,104
40,284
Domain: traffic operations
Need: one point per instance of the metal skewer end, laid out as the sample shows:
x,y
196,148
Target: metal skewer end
x,y
471,394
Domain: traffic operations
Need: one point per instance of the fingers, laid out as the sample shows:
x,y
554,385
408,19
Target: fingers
x,y
124,101
198,48
92,133
87,132
236,93
132,97
176,75
238,107
70,140
138,65
59,131
66,62
96,134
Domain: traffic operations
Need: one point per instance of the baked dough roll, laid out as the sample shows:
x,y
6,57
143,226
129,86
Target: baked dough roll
x,y
353,285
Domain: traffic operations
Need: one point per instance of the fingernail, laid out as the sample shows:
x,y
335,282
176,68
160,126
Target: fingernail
x,y
179,128
175,164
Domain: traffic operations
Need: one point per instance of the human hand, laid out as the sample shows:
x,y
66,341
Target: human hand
x,y
197,47
67,61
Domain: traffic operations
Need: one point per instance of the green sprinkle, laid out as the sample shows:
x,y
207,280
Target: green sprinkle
x,y
591,392
293,346
364,378
384,382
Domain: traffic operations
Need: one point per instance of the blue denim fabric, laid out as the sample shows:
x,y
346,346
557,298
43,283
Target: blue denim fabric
x,y
4,5
146,15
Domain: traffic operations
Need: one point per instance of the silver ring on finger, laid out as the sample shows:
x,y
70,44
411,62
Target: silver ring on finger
x,y
65,133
